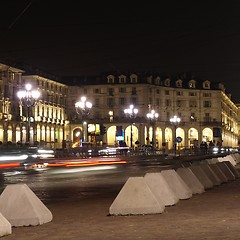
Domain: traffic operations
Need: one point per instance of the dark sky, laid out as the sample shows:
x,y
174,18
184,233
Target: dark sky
x,y
76,38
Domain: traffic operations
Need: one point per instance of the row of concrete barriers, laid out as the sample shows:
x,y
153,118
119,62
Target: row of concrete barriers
x,y
151,193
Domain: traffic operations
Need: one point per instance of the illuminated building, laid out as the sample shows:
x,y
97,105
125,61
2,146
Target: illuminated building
x,y
207,112
48,117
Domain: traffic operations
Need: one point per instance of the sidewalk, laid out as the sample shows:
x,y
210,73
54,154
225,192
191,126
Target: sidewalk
x,y
214,214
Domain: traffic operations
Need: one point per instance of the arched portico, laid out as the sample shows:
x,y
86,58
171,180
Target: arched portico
x,y
128,135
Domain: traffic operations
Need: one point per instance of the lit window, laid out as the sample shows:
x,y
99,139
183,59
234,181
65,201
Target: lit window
x,y
192,84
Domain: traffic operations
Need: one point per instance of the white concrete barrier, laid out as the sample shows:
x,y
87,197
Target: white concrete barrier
x,y
177,184
135,198
210,173
202,176
191,180
213,160
227,158
233,169
237,157
186,164
160,188
225,169
5,226
232,160
218,172
21,207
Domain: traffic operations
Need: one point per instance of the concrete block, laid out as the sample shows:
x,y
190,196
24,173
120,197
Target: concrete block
x,y
136,198
225,169
233,169
160,188
222,177
5,226
177,184
202,176
21,207
191,180
211,175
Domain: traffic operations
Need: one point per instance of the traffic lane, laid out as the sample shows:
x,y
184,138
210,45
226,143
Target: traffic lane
x,y
76,182
53,184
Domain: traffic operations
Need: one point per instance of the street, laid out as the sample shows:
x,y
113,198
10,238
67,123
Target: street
x,y
59,181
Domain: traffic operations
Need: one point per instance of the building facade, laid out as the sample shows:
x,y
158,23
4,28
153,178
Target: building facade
x,y
204,109
206,112
45,119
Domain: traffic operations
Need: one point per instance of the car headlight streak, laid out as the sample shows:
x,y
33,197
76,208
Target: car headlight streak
x,y
13,158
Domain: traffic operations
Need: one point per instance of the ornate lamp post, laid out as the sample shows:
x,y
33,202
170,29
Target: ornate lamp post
x,y
28,98
175,121
131,112
153,116
83,108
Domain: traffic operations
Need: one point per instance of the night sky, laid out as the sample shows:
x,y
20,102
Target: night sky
x,y
75,38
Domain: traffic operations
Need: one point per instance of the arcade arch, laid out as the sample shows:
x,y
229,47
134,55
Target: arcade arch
x,y
159,140
207,134
180,133
111,135
128,135
168,138
193,137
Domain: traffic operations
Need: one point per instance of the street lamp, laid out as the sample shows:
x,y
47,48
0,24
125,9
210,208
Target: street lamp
x,y
175,121
83,107
110,116
153,116
131,112
28,98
